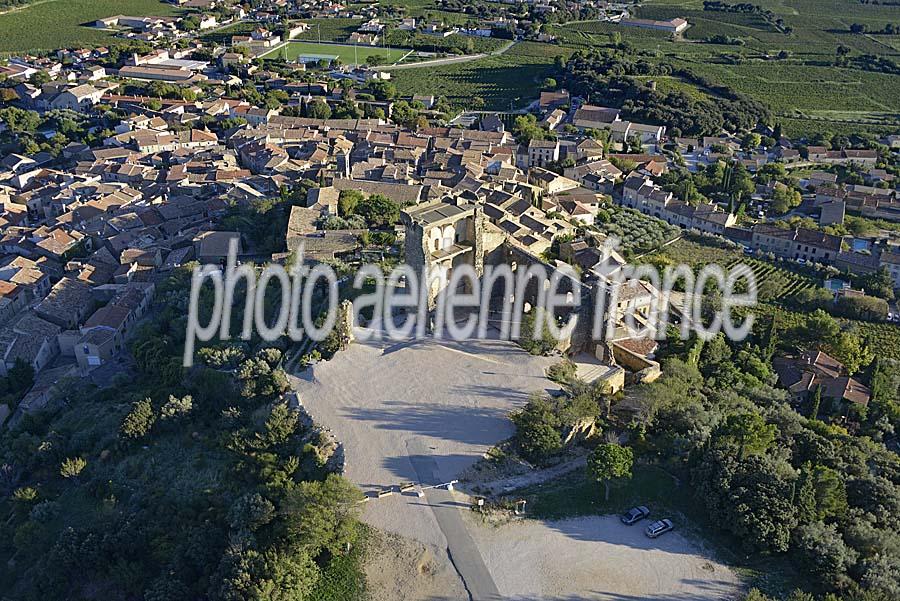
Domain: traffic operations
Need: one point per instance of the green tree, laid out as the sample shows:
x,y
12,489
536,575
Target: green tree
x,y
271,575
318,109
378,210
537,429
250,512
322,515
850,350
751,141
784,199
863,307
176,407
534,335
830,493
823,552
816,402
610,462
805,496
750,498
526,129
348,201
20,377
748,433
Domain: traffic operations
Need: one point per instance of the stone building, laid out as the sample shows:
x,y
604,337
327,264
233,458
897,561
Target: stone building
x,y
442,236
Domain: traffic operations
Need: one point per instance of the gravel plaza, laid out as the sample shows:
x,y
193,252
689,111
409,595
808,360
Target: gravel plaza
x,y
422,411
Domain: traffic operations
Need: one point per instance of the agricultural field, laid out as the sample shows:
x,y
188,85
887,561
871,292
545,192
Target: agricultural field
x,y
689,251
348,55
787,86
329,30
806,91
774,283
638,232
453,44
52,24
223,35
511,79
590,33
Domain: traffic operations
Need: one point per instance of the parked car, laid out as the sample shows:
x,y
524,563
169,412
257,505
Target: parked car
x,y
635,514
659,527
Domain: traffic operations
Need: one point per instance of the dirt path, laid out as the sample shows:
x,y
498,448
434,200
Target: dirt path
x,y
449,60
15,9
505,484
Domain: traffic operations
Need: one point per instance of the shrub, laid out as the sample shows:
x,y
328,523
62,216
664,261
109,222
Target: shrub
x,y
139,420
72,467
563,372
176,407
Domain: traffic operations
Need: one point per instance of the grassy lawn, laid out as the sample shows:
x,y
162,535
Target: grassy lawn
x,y
574,495
55,24
347,54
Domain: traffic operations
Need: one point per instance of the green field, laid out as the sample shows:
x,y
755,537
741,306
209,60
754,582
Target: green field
x,y
512,78
807,92
348,55
329,30
52,24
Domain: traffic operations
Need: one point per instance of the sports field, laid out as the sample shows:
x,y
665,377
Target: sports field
x,y
348,55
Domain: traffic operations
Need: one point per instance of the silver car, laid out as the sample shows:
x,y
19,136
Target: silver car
x,y
659,527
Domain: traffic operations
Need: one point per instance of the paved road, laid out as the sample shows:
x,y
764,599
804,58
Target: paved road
x,y
462,550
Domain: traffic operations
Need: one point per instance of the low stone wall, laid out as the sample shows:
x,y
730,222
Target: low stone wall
x,y
644,369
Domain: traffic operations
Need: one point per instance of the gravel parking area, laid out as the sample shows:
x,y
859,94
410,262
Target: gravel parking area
x,y
599,558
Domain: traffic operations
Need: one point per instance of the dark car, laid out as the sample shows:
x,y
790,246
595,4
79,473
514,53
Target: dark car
x,y
635,514
659,527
